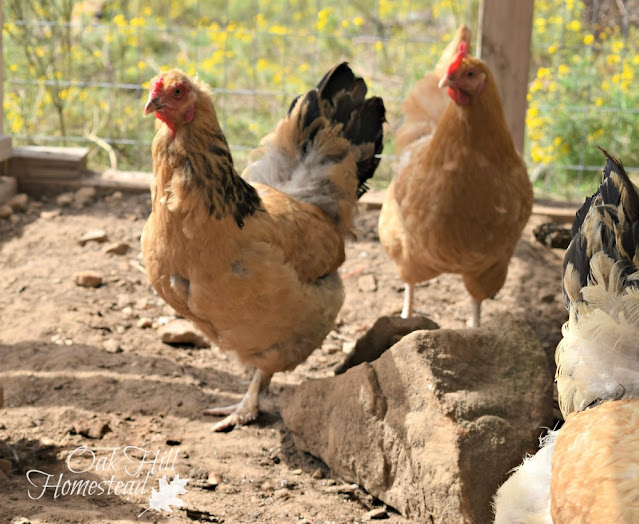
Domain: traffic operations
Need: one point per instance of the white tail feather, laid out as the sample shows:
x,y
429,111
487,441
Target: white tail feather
x,y
597,357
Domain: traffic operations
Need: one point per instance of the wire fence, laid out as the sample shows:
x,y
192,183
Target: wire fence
x,y
77,73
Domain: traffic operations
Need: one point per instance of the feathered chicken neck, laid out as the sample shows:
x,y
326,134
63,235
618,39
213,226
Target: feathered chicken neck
x,y
194,161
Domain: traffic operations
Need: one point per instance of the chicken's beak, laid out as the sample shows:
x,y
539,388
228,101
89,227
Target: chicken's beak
x,y
445,81
150,106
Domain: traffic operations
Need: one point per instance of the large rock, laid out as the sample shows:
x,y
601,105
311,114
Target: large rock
x,y
433,426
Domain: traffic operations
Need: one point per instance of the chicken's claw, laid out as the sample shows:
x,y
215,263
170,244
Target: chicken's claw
x,y
239,417
245,411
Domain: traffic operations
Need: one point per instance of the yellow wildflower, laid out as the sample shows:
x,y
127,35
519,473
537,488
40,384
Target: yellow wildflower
x,y
543,72
574,25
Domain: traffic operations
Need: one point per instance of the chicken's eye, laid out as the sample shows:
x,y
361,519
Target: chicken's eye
x,y
470,74
178,91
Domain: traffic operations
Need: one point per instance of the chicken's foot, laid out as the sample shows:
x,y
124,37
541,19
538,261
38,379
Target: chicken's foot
x,y
407,310
245,411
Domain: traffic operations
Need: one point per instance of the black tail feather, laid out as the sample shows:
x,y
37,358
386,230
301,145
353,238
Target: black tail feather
x,y
340,96
616,203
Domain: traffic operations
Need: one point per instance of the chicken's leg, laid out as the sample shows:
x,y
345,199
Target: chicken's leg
x,y
245,411
407,310
476,313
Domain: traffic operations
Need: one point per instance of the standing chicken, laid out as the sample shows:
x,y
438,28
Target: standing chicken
x,y
254,265
587,471
462,196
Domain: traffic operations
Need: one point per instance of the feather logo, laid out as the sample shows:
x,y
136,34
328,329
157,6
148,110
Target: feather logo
x,y
167,495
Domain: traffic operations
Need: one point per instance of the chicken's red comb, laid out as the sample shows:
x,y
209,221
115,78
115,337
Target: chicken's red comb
x,y
157,85
462,51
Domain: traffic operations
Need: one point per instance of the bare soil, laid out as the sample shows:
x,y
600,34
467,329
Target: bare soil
x,y
79,370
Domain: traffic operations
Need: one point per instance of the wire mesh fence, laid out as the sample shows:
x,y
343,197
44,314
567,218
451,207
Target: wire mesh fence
x,y
76,73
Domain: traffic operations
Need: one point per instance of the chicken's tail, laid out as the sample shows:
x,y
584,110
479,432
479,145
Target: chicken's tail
x,y
598,357
327,147
426,102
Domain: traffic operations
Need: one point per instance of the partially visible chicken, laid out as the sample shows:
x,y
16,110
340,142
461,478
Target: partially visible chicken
x,y
588,471
462,196
598,356
595,466
525,497
425,102
254,265
594,471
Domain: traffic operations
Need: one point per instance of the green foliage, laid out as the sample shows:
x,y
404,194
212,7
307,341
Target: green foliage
x,y
78,72
581,95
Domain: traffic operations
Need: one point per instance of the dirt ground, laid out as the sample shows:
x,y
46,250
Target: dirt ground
x,y
92,394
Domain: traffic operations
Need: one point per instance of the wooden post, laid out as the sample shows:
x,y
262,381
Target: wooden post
x,y
505,28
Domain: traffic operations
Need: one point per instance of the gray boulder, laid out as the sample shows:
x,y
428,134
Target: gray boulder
x,y
433,426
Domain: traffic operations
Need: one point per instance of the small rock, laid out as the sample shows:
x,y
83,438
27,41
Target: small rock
x,y
331,347
546,297
116,196
296,472
84,196
181,331
318,474
21,520
268,485
201,516
5,211
112,346
64,199
214,480
5,465
282,494
127,311
367,283
19,202
348,347
349,489
48,215
88,278
116,248
375,514
95,235
142,303
95,429
144,323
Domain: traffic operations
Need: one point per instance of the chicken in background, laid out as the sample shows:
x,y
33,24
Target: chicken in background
x,y
426,102
461,196
254,264
587,471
